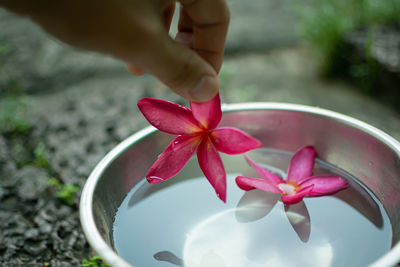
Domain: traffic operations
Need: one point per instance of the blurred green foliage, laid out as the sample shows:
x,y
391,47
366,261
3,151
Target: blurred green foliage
x,y
3,49
94,261
325,22
40,157
14,116
53,182
65,192
327,26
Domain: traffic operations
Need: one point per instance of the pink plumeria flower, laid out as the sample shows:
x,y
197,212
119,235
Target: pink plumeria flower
x,y
197,131
299,182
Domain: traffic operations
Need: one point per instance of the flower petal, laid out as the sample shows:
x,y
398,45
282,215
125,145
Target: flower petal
x,y
244,183
169,117
301,164
209,113
249,183
211,164
173,159
233,141
325,184
294,199
264,173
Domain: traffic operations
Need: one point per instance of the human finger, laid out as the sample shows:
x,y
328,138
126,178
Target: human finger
x,y
167,14
135,69
210,20
181,69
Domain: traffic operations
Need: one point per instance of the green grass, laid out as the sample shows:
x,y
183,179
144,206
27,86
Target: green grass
x,y
94,261
65,192
3,49
36,155
40,157
14,118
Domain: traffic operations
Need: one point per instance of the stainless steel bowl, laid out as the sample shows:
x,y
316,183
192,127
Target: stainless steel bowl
x,y
362,150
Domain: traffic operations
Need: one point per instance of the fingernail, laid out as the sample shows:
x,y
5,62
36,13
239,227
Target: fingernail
x,y
205,89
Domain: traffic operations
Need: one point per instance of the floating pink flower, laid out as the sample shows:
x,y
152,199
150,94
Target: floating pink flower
x,y
196,130
299,182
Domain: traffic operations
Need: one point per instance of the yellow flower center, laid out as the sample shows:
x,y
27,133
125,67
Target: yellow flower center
x,y
288,189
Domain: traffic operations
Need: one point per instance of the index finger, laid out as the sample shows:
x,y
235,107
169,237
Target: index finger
x,y
210,20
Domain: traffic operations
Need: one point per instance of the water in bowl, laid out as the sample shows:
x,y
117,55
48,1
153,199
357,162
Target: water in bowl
x,y
181,222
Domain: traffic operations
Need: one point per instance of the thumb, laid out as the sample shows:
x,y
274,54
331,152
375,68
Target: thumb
x,y
182,70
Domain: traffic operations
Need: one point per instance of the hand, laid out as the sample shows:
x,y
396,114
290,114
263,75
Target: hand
x,y
136,31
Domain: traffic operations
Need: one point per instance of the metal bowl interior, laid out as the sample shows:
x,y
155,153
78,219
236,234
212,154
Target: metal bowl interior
x,y
356,147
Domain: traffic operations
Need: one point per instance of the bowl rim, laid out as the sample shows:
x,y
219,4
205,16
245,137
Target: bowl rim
x,y
86,201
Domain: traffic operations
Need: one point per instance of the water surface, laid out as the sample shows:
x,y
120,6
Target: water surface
x,y
181,222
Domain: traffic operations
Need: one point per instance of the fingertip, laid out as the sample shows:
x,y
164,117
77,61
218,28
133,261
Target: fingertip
x,y
205,89
135,70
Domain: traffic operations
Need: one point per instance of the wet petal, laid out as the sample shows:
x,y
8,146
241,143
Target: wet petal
x,y
325,184
233,141
173,159
264,173
208,113
211,164
294,199
301,164
168,117
249,183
